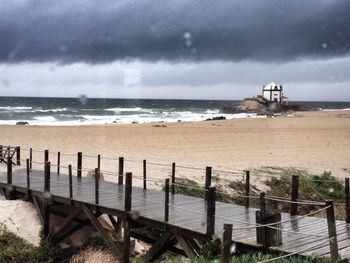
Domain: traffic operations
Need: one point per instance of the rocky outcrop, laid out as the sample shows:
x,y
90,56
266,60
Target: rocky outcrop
x,y
256,104
260,105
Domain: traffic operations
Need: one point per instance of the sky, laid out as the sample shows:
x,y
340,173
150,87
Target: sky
x,y
175,49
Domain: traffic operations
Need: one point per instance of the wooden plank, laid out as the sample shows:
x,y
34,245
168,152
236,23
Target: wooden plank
x,y
38,209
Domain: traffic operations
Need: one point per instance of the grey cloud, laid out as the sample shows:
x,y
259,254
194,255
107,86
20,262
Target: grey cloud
x,y
104,31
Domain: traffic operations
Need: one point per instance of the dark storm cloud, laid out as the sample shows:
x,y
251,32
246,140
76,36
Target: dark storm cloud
x,y
104,31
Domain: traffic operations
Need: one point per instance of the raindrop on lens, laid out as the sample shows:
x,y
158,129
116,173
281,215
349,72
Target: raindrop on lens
x,y
233,248
135,215
83,99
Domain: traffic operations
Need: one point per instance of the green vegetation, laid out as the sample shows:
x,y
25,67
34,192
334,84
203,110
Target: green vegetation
x,y
14,249
195,191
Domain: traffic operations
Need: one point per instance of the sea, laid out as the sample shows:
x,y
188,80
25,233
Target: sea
x,y
85,111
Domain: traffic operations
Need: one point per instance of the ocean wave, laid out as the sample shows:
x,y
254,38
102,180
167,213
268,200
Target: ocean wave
x,y
45,119
16,109
345,109
50,110
134,109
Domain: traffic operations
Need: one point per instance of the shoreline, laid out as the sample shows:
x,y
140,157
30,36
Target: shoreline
x,y
314,141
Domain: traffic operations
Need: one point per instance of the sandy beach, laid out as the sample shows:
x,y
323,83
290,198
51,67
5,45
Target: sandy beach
x,y
314,141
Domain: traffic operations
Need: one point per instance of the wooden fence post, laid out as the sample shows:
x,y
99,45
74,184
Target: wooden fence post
x,y
144,174
332,231
47,177
46,205
347,200
18,155
226,243
247,188
207,184
97,185
166,205
127,209
79,164
28,173
9,170
120,170
70,181
211,210
58,162
99,162
262,202
294,195
46,156
30,158
173,170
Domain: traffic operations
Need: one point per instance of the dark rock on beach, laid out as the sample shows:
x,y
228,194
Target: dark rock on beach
x,y
216,118
22,123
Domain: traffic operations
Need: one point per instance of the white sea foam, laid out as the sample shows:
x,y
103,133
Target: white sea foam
x,y
15,109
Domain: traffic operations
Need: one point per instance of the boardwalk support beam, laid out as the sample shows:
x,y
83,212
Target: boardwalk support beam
x,y
97,225
332,231
226,243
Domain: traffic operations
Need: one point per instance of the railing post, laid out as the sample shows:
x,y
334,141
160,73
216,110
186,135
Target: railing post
x,y
144,174
70,181
226,243
9,170
47,177
58,162
99,162
28,174
30,158
79,164
46,156
1,158
97,185
211,210
332,231
120,170
47,200
262,202
128,192
173,170
127,209
166,205
247,188
18,155
347,200
294,195
207,184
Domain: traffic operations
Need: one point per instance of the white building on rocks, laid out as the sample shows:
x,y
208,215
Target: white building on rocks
x,y
273,93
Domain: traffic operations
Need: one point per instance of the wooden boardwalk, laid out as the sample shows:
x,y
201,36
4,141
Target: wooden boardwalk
x,y
187,215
